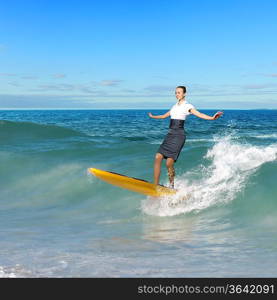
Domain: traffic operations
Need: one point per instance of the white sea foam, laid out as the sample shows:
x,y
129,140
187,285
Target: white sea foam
x,y
231,165
6,274
266,136
13,272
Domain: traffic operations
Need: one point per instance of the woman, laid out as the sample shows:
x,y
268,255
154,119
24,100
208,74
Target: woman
x,y
175,138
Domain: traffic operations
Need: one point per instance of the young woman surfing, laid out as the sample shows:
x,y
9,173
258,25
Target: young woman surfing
x,y
175,138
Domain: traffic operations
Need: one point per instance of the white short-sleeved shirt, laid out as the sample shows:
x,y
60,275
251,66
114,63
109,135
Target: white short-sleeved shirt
x,y
180,111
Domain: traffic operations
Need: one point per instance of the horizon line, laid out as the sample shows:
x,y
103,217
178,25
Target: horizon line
x,y
34,108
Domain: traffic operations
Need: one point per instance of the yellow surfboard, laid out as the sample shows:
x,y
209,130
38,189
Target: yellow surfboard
x,y
133,184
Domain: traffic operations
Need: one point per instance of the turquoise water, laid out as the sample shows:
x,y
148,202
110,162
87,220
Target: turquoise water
x,y
58,221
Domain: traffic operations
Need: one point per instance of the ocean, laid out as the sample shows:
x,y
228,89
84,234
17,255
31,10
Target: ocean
x,y
56,220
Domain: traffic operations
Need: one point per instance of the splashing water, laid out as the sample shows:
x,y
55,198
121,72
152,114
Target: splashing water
x,y
231,165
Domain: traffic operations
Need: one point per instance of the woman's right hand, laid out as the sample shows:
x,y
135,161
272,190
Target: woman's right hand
x,y
150,115
217,115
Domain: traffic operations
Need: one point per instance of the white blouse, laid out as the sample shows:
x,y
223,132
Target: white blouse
x,y
180,111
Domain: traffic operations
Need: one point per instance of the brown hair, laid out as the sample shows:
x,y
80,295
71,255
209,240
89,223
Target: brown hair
x,y
182,87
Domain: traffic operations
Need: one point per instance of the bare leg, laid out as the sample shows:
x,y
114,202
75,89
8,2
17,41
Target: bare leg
x,y
157,167
170,170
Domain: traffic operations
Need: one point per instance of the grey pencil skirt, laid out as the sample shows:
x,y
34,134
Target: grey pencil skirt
x,y
174,140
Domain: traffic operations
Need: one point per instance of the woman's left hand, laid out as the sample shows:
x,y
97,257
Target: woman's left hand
x,y
217,115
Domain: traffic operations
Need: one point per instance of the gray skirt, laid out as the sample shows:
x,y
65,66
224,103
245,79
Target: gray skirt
x,y
173,143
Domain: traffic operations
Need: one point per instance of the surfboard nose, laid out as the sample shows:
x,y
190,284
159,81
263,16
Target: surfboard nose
x,y
92,170
131,183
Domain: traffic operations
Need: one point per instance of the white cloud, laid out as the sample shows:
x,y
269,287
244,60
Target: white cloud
x,y
160,88
259,86
128,90
42,101
69,87
110,82
16,84
59,75
7,74
29,77
271,75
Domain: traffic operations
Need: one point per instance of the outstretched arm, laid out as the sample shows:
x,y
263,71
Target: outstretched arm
x,y
204,116
160,116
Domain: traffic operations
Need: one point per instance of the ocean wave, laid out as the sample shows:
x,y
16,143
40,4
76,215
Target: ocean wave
x,y
11,130
266,136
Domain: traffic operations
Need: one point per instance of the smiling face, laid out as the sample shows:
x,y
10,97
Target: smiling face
x,y
179,93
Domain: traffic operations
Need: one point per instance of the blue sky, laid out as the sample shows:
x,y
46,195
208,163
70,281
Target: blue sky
x,y
132,54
